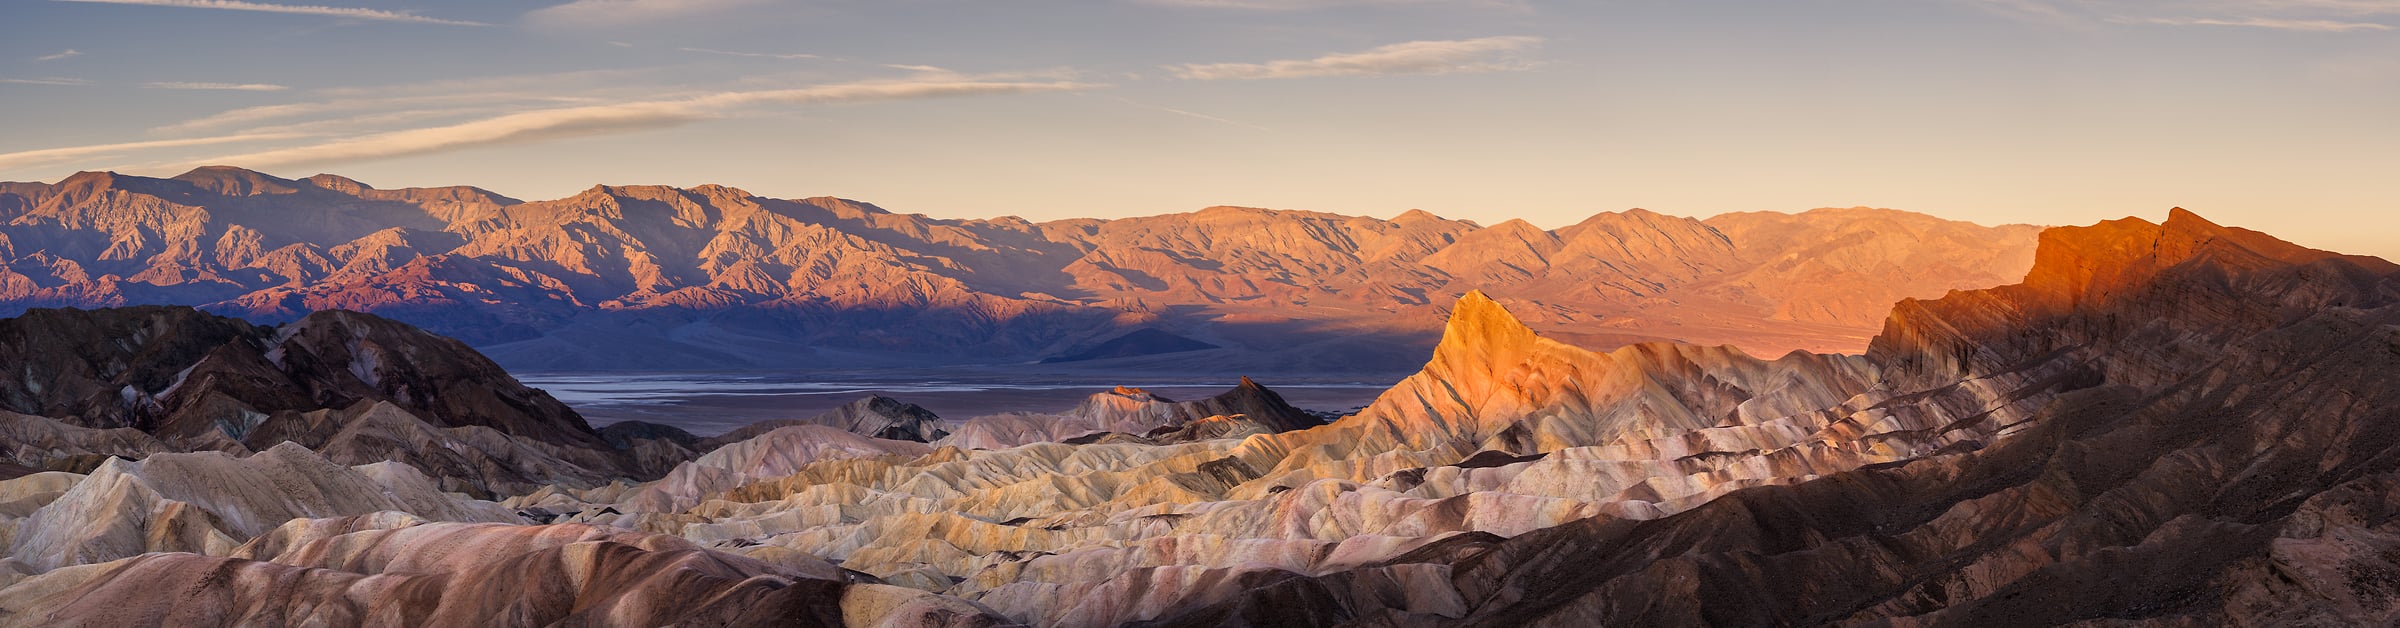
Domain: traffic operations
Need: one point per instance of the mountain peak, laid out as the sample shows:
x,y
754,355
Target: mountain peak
x,y
233,181
721,191
92,178
1233,211
2073,261
1479,323
339,183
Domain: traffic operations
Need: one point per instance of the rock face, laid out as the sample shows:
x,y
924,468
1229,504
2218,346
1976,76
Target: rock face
x,y
713,277
102,368
211,502
356,387
387,570
877,416
2201,434
185,373
1133,412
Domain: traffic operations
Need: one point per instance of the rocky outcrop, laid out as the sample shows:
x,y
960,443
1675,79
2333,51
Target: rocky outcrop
x,y
1247,408
105,368
184,374
211,502
356,387
875,416
714,277
44,443
777,453
2200,437
393,570
650,448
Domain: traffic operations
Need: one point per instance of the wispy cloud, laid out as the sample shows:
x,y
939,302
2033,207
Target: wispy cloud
x,y
2323,26
46,81
260,7
462,97
1488,54
2320,16
235,87
52,155
1300,5
570,122
70,52
422,106
757,55
610,13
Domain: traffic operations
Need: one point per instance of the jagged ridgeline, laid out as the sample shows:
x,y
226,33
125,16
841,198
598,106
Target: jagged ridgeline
x,y
2172,423
713,278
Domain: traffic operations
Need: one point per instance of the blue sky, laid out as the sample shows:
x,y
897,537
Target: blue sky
x,y
2274,114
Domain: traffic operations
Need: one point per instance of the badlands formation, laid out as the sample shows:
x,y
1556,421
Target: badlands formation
x,y
710,278
2163,423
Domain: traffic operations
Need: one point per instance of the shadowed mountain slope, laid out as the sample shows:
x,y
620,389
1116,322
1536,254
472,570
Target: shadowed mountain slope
x,y
356,387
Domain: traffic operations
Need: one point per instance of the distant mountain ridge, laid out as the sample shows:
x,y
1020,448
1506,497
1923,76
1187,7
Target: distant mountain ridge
x,y
713,277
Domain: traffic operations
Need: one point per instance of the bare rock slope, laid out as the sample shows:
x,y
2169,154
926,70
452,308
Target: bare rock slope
x,y
355,387
2201,434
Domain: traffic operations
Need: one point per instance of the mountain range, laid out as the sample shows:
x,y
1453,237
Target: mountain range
x,y
2162,423
712,277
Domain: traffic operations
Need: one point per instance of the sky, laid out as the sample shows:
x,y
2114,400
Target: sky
x,y
2278,115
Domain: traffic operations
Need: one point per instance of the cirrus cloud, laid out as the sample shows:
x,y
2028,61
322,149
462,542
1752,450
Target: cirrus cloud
x,y
570,122
260,7
48,80
232,87
51,155
611,13
2325,26
1487,54
2320,16
1303,5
